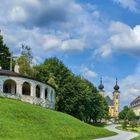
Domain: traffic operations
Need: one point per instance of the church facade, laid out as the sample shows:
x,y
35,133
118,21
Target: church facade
x,y
114,104
16,86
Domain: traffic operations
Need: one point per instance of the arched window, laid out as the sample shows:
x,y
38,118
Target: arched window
x,y
46,93
26,88
38,91
9,86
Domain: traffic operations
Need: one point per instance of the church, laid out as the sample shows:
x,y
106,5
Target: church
x,y
114,104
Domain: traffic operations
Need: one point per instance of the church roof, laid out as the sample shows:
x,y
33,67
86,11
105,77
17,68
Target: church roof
x,y
101,86
135,102
14,74
109,101
116,87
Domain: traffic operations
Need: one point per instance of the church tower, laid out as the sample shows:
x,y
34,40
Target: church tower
x,y
116,100
101,88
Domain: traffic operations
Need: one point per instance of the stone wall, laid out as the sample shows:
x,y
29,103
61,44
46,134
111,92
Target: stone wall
x,y
29,99
43,101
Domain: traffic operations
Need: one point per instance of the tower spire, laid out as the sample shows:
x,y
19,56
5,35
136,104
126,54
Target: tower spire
x,y
101,86
101,82
116,87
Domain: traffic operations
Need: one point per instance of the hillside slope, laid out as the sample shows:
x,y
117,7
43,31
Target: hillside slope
x,y
22,121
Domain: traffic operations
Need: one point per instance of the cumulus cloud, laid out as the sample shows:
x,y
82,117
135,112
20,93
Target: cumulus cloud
x,y
130,86
130,4
73,28
40,13
121,37
125,38
51,26
88,73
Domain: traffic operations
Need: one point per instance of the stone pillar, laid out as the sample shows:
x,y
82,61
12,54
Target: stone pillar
x,y
13,88
42,92
53,96
1,86
33,89
19,89
49,94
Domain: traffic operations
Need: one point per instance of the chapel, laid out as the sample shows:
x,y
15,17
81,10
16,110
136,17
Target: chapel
x,y
27,89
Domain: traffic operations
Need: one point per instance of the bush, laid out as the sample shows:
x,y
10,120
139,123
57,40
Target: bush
x,y
133,124
124,124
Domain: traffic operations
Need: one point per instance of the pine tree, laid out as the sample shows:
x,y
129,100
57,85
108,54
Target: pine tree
x,y
4,53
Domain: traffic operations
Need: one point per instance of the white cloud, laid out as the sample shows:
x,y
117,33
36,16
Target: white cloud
x,y
96,14
87,73
73,28
130,87
125,38
103,51
122,38
130,4
73,45
18,14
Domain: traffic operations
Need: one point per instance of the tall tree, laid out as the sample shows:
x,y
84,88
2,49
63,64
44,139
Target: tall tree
x,y
123,113
25,61
74,95
4,53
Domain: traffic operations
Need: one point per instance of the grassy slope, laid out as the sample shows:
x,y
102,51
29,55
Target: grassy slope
x,y
22,121
138,130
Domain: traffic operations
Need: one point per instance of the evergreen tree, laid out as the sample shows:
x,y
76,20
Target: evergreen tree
x,y
4,53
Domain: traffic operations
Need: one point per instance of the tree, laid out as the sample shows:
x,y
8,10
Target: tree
x,y
123,113
130,115
4,53
25,61
74,95
26,52
124,124
133,124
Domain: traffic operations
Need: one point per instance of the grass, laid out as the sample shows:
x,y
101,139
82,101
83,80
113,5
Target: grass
x,y
22,121
137,129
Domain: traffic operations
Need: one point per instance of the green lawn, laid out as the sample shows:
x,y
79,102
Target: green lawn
x,y
138,130
22,121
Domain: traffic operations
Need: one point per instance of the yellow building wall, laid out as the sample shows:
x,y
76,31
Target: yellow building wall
x,y
115,108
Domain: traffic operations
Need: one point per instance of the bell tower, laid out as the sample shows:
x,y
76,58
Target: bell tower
x,y
116,100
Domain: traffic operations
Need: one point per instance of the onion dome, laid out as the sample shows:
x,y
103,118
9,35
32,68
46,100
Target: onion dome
x,y
116,87
101,86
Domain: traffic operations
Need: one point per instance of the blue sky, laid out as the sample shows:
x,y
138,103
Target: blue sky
x,y
92,37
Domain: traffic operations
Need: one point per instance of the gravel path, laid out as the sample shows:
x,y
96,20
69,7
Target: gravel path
x,y
122,135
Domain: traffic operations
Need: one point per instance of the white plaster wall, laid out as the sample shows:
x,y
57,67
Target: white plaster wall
x,y
49,102
136,110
